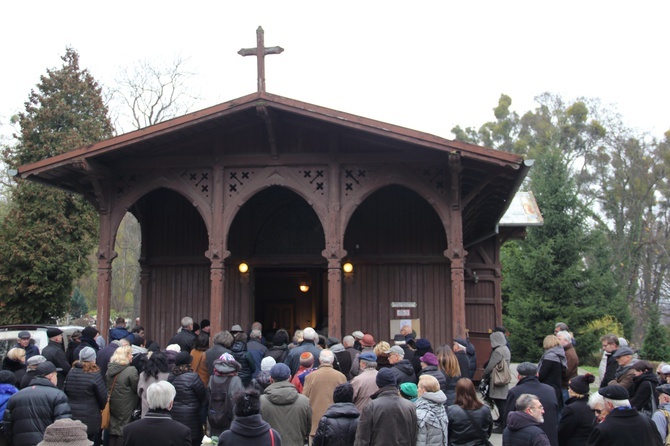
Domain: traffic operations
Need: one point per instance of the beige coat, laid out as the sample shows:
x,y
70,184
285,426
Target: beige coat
x,y
319,387
365,384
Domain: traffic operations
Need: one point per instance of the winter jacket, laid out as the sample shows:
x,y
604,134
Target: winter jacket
x,y
124,395
288,412
188,403
463,363
611,366
625,427
523,430
87,395
143,384
472,357
642,390
338,426
85,342
279,353
227,383
462,432
293,358
199,366
156,428
32,409
258,352
342,361
432,419
404,372
499,352
624,376
365,385
387,419
54,352
550,370
546,395
6,392
184,339
437,374
246,361
16,367
118,333
31,350
577,422
660,421
105,355
319,387
572,365
27,378
214,353
69,352
250,431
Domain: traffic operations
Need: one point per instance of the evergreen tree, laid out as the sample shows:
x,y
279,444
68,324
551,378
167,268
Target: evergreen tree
x,y
78,306
656,345
48,233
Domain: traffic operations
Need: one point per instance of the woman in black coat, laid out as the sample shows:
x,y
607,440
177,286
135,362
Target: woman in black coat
x,y
279,349
644,385
468,408
248,427
15,362
577,420
551,366
244,358
338,425
191,396
87,393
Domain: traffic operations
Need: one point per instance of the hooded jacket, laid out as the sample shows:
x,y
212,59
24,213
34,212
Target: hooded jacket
x,y
337,426
190,398
6,392
32,409
499,352
404,372
523,430
319,388
87,395
246,361
225,380
123,397
432,419
287,411
252,431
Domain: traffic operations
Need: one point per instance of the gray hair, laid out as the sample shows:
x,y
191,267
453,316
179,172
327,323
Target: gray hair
x,y
596,399
369,364
348,341
309,334
617,403
564,335
326,357
160,395
223,338
256,334
297,336
186,321
525,401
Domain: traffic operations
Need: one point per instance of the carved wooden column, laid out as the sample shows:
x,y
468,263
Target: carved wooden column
x,y
105,256
455,251
145,292
217,252
334,253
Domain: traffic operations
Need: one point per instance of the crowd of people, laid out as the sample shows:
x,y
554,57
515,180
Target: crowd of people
x,y
255,387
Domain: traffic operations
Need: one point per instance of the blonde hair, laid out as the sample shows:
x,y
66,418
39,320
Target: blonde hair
x,y
429,383
17,354
120,355
381,348
550,341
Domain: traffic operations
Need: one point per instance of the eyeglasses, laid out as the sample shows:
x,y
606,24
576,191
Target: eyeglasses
x,y
597,411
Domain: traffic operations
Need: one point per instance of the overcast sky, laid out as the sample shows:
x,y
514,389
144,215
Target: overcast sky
x,y
426,65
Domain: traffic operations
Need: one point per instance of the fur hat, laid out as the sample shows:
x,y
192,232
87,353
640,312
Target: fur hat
x,y
65,432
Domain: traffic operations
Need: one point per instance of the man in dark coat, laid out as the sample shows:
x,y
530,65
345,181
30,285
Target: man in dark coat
x,y
157,426
624,425
610,344
185,338
221,343
88,339
32,409
461,352
308,345
23,342
523,423
529,383
400,366
387,418
55,354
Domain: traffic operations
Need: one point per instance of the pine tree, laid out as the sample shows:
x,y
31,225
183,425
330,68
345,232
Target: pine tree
x,y
48,233
656,345
78,306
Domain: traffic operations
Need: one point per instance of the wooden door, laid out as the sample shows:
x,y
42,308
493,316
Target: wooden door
x,y
282,314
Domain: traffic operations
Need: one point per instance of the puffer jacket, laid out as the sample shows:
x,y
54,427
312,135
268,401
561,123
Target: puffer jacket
x,y
124,396
287,411
32,409
191,396
432,419
16,367
279,352
437,374
404,372
6,392
87,395
462,432
337,426
643,390
246,361
250,431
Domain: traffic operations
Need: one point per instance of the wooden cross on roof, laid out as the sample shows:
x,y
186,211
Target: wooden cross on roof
x,y
260,51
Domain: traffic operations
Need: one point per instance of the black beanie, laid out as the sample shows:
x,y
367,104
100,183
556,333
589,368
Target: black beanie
x,y
580,384
385,378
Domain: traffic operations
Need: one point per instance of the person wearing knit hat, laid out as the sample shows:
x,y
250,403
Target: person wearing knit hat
x,y
65,432
409,391
284,408
388,418
223,384
578,419
191,395
263,379
529,383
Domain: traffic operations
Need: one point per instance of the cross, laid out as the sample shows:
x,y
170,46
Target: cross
x,y
260,51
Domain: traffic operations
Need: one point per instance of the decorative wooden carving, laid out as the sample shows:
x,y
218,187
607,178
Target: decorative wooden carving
x,y
199,179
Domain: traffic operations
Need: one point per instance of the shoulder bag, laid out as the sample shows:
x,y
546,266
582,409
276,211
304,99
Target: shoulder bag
x,y
480,431
501,375
107,411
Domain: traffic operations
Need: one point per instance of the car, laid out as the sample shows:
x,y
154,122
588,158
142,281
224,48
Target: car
x,y
10,333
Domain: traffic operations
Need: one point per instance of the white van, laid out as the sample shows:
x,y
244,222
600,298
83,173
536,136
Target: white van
x,y
10,333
